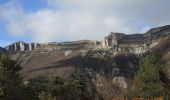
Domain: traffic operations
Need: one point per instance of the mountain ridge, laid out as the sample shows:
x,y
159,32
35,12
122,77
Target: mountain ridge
x,y
110,64
111,41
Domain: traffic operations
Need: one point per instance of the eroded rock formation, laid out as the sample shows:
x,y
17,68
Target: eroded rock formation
x,y
136,43
22,46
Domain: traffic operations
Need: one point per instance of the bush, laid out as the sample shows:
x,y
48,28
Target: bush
x,y
10,82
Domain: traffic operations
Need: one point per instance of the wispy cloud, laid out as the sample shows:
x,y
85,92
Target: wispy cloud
x,y
84,19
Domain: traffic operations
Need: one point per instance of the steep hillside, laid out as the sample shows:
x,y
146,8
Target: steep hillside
x,y
51,58
108,66
62,58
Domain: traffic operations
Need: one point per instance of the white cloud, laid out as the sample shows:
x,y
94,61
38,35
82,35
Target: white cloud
x,y
14,16
84,19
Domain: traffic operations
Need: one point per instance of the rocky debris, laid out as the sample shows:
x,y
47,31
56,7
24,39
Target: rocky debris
x,y
120,81
99,53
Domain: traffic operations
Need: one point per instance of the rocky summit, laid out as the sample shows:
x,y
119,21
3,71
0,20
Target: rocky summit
x,y
109,64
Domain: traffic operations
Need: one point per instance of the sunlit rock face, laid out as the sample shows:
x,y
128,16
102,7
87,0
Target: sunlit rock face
x,y
22,46
135,43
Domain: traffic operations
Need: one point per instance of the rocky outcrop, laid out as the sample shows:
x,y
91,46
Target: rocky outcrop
x,y
135,43
21,46
120,81
67,52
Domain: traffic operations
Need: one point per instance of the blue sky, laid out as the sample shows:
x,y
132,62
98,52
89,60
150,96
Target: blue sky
x,y
28,6
68,20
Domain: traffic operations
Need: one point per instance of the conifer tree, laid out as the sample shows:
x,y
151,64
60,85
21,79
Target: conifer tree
x,y
147,82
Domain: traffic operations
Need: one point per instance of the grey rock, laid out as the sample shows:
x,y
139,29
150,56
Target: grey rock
x,y
120,81
135,43
21,46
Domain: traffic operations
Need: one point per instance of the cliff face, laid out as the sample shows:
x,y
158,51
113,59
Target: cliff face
x,y
21,46
135,43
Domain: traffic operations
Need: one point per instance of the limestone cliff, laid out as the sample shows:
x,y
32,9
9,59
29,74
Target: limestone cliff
x,y
135,43
22,46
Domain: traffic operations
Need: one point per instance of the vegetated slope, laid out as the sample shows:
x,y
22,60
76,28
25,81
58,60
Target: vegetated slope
x,y
166,69
110,73
60,61
163,50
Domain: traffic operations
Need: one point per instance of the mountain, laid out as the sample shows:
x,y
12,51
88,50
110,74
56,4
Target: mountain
x,y
110,63
63,58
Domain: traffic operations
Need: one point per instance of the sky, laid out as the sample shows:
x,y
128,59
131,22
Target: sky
x,y
70,20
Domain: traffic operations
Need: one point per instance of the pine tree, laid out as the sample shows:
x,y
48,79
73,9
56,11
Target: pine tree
x,y
147,82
